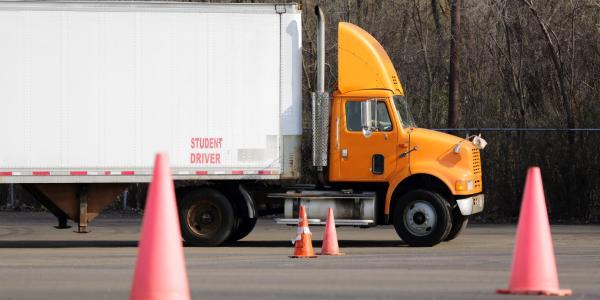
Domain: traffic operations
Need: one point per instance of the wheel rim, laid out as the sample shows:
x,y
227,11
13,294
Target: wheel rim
x,y
204,219
420,218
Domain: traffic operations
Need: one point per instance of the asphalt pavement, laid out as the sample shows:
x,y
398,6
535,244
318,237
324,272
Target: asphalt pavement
x,y
40,262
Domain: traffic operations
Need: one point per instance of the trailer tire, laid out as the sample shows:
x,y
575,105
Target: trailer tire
x,y
206,218
459,223
244,227
422,218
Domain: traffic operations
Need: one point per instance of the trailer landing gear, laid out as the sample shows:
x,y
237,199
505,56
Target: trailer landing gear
x,y
62,224
60,215
83,208
78,202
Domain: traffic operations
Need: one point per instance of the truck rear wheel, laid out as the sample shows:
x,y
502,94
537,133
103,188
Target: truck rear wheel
x,y
422,218
206,218
244,227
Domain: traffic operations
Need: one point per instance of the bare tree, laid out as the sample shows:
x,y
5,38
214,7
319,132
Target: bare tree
x,y
453,76
423,36
435,10
554,48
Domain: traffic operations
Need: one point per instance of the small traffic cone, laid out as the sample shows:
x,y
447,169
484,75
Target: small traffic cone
x,y
160,268
303,242
330,240
534,264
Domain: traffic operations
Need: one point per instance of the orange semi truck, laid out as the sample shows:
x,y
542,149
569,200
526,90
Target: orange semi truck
x,y
99,87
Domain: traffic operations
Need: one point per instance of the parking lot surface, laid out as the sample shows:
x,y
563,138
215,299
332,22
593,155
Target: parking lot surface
x,y
40,262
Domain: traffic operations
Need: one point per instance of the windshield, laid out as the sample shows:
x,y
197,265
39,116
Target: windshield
x,y
403,112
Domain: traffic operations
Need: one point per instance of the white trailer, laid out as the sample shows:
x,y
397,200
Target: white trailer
x,y
91,91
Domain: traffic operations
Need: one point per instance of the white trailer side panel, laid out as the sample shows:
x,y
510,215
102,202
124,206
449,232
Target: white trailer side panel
x,y
91,91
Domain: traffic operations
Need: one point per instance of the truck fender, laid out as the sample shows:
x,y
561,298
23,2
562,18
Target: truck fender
x,y
419,180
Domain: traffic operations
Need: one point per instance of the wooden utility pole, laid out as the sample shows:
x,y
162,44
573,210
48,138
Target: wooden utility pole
x,y
453,76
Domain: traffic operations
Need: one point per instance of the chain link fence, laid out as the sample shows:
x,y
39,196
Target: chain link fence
x,y
570,164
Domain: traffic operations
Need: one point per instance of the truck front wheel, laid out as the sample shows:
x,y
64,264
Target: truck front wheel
x,y
459,223
206,218
422,218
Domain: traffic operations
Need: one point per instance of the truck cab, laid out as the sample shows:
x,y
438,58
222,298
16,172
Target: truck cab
x,y
432,179
379,167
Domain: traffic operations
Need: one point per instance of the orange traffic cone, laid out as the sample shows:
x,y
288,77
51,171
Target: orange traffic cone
x,y
330,240
534,264
160,268
303,242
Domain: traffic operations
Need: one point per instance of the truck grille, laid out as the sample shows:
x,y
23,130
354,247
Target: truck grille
x,y
476,168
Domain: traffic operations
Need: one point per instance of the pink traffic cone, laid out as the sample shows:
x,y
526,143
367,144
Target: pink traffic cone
x,y
534,264
330,240
160,268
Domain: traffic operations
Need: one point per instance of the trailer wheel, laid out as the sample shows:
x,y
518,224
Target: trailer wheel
x,y
459,223
206,218
422,218
245,226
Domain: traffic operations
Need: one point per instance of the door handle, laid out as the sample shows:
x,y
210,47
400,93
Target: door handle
x,y
403,154
344,153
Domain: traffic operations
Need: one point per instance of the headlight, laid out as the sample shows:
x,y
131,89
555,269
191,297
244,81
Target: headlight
x,y
464,185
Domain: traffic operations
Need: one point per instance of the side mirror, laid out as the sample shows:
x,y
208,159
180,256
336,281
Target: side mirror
x,y
479,142
368,116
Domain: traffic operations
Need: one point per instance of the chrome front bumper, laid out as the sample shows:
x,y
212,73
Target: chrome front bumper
x,y
471,205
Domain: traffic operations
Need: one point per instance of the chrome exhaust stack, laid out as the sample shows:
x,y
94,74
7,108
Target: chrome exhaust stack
x,y
320,103
320,50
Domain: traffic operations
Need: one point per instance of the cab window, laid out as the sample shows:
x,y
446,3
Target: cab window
x,y
381,115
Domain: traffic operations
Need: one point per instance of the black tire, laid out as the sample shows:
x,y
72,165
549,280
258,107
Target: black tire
x,y
206,218
422,218
459,223
244,227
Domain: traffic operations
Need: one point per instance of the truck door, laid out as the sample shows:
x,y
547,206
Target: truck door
x,y
367,158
